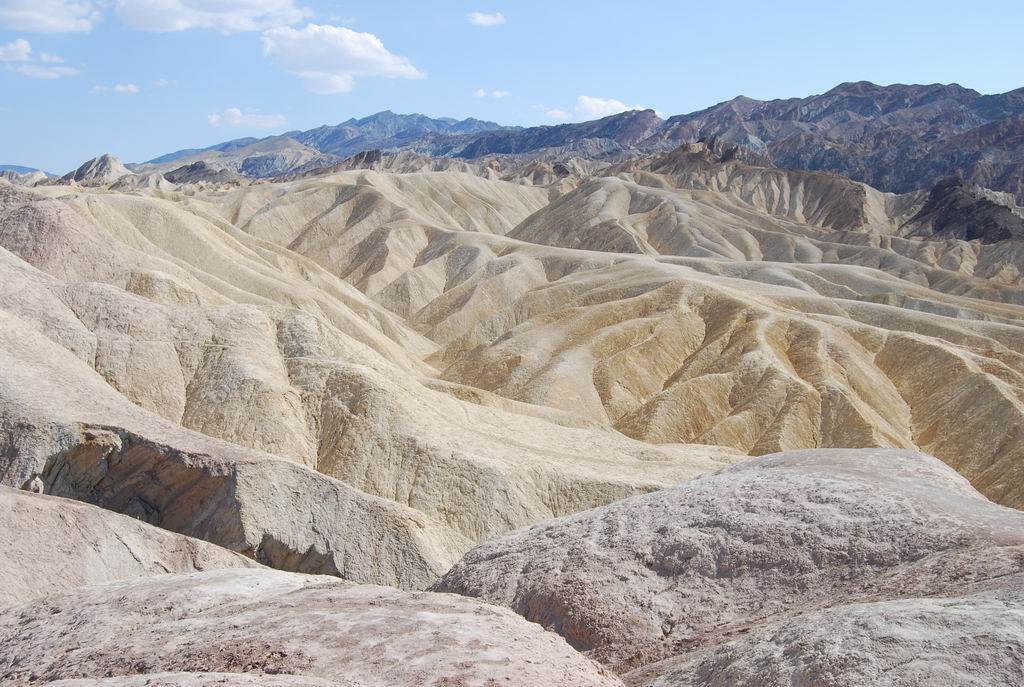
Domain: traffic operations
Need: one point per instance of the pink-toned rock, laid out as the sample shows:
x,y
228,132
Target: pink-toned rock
x,y
203,680
261,621
51,545
670,572
972,641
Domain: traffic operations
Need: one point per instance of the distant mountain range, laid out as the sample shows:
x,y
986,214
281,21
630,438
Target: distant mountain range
x,y
384,130
896,138
19,169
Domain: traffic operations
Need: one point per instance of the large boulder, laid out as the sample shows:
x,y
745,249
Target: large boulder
x,y
771,538
270,622
974,641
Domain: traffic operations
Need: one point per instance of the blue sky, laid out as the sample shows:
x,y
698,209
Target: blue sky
x,y
139,78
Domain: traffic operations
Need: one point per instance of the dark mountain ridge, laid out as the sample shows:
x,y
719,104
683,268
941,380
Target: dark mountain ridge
x,y
896,138
385,130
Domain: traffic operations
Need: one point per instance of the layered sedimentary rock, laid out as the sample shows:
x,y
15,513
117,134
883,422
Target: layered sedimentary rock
x,y
690,298
366,369
130,320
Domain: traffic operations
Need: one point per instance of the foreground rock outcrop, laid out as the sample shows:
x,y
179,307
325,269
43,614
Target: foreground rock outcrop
x,y
976,640
51,545
765,541
263,621
202,680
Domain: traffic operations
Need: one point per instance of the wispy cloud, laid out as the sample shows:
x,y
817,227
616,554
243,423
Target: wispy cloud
x,y
594,108
117,88
228,17
329,59
19,50
482,19
589,107
18,58
42,71
164,83
555,113
251,119
49,16
497,93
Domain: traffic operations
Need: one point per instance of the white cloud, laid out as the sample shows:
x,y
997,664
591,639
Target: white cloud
x,y
117,88
49,16
595,108
164,83
235,118
481,19
498,93
19,50
330,58
228,16
41,71
555,113
18,56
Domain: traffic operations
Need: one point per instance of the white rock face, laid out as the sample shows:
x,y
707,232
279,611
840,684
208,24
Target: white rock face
x,y
51,545
263,621
771,538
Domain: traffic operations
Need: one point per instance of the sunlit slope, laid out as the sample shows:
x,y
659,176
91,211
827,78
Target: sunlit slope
x,y
712,303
